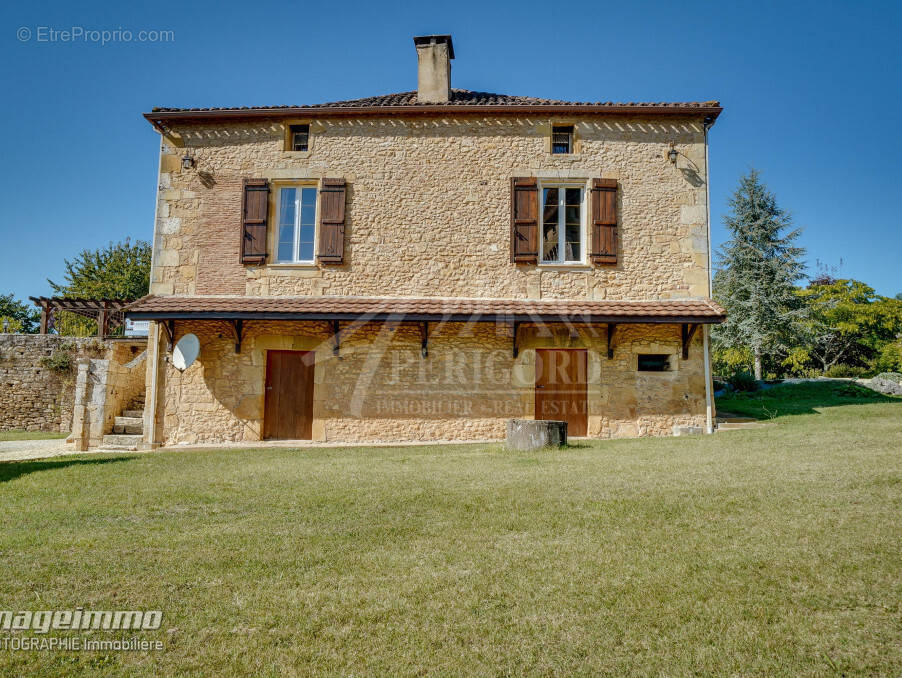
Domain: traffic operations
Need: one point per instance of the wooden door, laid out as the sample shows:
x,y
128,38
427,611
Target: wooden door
x,y
288,407
561,388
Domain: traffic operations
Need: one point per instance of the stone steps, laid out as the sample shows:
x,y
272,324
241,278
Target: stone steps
x,y
133,414
118,441
129,425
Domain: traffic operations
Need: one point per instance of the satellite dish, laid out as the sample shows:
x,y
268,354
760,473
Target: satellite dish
x,y
185,352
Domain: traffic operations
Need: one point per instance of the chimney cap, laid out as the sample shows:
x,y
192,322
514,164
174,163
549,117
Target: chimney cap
x,y
435,40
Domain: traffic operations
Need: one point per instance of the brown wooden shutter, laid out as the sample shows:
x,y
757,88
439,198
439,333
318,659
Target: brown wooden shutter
x,y
604,221
524,220
332,221
254,208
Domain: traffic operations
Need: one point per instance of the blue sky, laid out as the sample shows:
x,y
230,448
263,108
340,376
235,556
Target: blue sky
x,y
812,95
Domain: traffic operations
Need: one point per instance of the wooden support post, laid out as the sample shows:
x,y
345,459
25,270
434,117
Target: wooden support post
x,y
337,337
516,337
424,339
687,331
44,318
612,328
102,323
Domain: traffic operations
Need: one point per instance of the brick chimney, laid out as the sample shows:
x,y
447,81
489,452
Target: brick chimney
x,y
434,54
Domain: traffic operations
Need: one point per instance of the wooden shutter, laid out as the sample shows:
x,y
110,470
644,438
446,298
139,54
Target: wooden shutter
x,y
524,220
254,208
332,221
604,221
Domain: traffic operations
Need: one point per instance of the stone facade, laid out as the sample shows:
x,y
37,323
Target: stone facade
x,y
37,397
380,388
428,211
428,215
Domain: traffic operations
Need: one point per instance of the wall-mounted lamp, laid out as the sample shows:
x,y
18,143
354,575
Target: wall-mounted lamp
x,y
187,161
672,154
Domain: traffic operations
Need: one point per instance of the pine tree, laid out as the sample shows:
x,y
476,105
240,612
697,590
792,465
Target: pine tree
x,y
758,268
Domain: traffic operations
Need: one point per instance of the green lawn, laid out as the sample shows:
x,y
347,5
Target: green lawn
x,y
773,551
18,434
803,398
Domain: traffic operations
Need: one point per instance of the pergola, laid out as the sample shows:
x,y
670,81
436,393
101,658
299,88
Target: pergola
x,y
106,312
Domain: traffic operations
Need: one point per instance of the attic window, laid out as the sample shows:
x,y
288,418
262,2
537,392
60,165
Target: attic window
x,y
562,139
299,138
654,362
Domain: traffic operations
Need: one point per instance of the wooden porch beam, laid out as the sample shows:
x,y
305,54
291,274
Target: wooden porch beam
x,y
238,332
169,328
424,338
336,337
612,328
687,331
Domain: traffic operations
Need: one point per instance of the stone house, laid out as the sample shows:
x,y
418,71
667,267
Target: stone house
x,y
428,264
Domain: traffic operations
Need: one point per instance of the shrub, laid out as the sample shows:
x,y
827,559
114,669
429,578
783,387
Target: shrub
x,y
845,371
731,359
742,381
60,361
890,358
797,362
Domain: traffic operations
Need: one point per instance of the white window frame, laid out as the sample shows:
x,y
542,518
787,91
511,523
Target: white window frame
x,y
277,214
562,236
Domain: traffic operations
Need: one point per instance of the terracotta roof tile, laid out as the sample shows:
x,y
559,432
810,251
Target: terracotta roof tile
x,y
459,97
701,310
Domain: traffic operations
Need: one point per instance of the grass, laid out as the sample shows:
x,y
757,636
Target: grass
x,y
773,551
18,434
802,398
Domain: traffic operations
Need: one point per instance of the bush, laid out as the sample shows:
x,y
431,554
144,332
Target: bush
x,y
742,381
731,359
60,361
845,371
890,358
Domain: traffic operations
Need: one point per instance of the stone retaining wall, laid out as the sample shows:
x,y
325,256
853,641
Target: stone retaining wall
x,y
38,397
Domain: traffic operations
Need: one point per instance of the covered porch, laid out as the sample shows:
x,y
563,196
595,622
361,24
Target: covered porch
x,y
421,369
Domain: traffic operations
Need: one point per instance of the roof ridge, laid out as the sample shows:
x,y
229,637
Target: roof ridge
x,y
459,97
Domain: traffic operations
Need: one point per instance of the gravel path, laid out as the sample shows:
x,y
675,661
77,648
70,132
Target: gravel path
x,y
19,450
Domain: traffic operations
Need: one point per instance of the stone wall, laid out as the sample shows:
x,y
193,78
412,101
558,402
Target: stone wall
x,y
381,388
106,386
35,397
428,211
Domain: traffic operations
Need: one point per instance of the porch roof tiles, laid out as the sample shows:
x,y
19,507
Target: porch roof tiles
x,y
424,308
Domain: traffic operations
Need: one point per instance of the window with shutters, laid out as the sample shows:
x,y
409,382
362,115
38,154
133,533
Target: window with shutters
x,y
563,226
295,212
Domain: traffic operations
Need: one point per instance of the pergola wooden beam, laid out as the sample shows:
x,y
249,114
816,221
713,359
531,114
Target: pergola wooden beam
x,y
106,312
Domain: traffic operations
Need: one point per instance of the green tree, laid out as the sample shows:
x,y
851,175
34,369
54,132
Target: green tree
x,y
758,268
18,316
848,323
117,271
